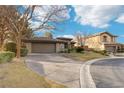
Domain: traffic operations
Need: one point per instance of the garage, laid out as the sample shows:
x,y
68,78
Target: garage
x,y
43,47
111,48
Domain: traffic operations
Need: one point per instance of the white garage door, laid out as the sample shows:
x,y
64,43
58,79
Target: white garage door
x,y
43,48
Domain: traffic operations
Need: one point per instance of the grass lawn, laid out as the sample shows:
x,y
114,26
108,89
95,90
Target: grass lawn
x,y
84,56
17,75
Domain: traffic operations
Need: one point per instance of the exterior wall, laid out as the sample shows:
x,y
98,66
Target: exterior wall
x,y
94,42
110,39
60,47
29,47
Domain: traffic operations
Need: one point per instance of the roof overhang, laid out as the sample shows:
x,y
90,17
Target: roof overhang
x,y
43,41
112,44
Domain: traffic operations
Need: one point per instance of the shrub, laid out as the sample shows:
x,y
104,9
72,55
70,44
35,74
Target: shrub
x,y
120,50
6,56
67,50
63,51
76,49
103,52
24,52
11,46
79,49
71,50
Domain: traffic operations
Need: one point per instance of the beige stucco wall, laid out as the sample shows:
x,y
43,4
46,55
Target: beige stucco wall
x,y
28,45
110,39
94,42
59,47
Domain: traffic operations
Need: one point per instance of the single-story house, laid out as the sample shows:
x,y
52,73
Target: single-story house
x,y
47,45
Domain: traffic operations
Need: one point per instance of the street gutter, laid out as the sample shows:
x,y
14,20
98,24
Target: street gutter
x,y
86,80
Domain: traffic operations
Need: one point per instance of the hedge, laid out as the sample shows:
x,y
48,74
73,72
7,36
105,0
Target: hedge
x,y
79,49
11,46
6,56
24,52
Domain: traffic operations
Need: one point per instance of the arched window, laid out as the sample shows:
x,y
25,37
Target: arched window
x,y
104,38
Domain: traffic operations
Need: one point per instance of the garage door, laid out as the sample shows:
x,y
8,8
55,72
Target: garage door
x,y
43,48
110,48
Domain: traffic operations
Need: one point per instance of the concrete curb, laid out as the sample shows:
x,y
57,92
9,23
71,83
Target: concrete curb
x,y
86,80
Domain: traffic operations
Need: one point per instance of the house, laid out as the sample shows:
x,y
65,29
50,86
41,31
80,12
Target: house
x,y
102,41
47,45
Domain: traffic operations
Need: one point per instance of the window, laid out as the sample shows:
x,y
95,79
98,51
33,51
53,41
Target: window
x,y
104,38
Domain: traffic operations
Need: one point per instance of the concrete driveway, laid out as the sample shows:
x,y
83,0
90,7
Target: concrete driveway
x,y
57,68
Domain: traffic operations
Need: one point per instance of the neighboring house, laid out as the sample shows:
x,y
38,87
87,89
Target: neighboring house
x,y
103,41
47,45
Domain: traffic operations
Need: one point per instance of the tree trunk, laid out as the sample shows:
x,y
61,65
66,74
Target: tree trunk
x,y
18,45
1,45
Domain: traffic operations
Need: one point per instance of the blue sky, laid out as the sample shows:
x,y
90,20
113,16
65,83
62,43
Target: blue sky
x,y
110,18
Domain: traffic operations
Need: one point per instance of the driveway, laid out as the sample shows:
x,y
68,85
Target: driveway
x,y
57,68
108,73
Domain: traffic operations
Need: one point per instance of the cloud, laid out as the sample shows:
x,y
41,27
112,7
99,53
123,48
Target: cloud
x,y
120,19
66,36
99,16
41,12
121,36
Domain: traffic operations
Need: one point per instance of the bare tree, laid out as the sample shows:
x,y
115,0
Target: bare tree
x,y
81,37
3,34
47,17
17,21
4,30
85,35
78,38
19,17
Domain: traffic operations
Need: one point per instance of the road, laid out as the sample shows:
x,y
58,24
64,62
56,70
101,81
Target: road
x,y
108,73
57,68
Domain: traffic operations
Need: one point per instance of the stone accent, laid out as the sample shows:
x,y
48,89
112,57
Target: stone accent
x,y
29,47
59,47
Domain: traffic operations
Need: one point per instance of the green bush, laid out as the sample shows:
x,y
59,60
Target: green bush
x,y
67,50
79,49
72,50
24,52
11,46
6,56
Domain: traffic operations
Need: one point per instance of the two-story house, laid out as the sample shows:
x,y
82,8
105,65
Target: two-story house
x,y
102,41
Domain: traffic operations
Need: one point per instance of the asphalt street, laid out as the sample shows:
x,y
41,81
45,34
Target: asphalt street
x,y
108,73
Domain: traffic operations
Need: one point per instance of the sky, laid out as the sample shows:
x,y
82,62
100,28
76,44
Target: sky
x,y
92,19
